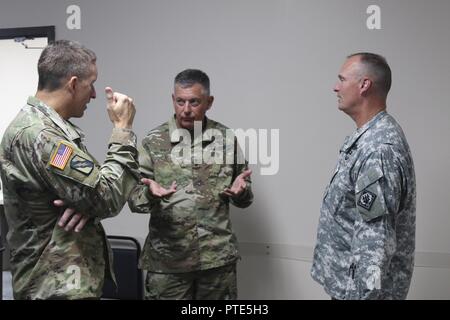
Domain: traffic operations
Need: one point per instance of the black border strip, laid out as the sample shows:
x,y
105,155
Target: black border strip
x,y
11,33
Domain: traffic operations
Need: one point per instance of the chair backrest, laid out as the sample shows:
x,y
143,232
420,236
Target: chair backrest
x,y
126,252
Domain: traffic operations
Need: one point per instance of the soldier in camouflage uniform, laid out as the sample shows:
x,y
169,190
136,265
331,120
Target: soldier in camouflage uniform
x,y
366,233
44,159
191,250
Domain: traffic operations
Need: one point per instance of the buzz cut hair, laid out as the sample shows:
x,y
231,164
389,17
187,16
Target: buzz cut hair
x,y
189,77
377,67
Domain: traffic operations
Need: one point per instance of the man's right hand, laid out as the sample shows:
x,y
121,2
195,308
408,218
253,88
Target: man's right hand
x,y
120,108
156,190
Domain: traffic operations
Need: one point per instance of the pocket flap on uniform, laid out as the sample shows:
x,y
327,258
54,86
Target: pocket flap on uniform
x,y
372,175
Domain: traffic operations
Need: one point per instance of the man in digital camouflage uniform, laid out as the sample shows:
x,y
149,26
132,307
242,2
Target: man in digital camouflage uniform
x,y
191,250
44,161
366,233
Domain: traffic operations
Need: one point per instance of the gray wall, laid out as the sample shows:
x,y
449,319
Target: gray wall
x,y
273,64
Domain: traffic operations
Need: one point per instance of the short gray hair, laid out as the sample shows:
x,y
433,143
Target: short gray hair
x,y
187,78
62,59
378,68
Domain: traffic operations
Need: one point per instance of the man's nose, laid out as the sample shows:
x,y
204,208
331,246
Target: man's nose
x,y
93,94
336,88
187,107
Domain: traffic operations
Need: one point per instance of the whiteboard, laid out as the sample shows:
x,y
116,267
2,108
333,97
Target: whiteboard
x,y
18,77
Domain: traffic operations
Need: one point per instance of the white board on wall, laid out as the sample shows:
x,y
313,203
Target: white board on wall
x,y
18,77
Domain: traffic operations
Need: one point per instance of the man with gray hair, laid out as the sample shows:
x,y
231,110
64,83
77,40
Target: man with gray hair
x,y
366,234
191,250
45,164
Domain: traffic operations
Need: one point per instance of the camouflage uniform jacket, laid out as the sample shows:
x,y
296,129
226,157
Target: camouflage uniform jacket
x,y
42,159
190,230
366,233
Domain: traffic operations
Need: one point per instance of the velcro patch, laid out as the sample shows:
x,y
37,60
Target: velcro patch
x,y
366,199
81,164
61,156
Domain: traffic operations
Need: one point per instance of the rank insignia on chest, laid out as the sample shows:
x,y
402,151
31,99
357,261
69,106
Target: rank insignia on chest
x,y
61,156
366,199
81,164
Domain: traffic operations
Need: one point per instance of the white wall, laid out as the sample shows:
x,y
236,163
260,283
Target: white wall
x,y
273,64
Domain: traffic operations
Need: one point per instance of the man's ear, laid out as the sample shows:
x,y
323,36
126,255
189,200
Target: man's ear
x,y
210,102
72,84
366,84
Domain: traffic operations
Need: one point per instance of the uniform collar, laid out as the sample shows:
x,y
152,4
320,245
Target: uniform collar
x,y
175,134
71,130
351,140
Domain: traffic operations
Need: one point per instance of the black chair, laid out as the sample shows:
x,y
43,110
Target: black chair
x,y
126,252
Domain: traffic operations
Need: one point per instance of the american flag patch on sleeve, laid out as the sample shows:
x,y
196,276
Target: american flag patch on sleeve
x,y
61,156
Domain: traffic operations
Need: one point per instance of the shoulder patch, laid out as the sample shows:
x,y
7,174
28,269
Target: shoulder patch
x,y
81,164
366,199
61,155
